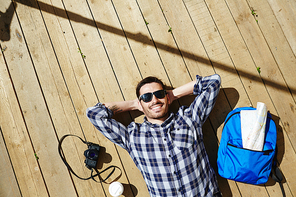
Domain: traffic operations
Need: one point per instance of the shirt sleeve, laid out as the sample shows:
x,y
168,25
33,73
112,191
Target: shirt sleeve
x,y
206,90
101,117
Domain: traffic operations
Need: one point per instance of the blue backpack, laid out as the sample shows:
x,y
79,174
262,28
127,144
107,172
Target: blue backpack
x,y
244,165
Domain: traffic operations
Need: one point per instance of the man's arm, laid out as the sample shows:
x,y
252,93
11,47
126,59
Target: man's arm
x,y
206,89
122,106
101,117
181,91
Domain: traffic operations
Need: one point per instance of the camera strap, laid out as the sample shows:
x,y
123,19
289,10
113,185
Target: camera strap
x,y
92,176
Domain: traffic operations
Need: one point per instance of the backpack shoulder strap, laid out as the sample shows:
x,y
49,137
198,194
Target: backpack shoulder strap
x,y
276,173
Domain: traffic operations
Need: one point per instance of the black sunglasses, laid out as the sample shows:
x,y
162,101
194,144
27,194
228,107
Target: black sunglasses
x,y
148,96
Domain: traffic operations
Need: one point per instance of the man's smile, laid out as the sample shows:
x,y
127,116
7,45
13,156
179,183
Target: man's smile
x,y
156,107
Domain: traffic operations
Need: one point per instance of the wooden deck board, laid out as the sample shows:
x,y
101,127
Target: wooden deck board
x,y
284,12
23,68
60,57
17,140
8,185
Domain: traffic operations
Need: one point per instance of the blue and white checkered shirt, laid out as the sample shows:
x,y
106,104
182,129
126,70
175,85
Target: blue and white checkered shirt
x,y
171,156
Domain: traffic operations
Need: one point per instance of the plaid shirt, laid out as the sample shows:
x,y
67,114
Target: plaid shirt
x,y
171,156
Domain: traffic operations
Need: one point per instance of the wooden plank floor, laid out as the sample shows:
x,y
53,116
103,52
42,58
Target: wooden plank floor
x,y
59,57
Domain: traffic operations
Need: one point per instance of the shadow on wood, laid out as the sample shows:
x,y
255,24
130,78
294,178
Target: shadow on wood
x,y
133,188
148,40
5,21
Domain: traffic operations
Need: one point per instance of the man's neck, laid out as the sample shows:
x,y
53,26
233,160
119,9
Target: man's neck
x,y
158,121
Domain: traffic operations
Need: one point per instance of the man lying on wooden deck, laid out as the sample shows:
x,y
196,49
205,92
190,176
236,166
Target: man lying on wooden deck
x,y
168,148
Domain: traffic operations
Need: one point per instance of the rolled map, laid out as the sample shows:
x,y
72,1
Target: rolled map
x,y
253,124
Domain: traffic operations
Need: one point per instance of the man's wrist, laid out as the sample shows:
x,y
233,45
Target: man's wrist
x,y
134,104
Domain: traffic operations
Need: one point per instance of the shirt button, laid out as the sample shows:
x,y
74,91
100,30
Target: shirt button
x,y
164,139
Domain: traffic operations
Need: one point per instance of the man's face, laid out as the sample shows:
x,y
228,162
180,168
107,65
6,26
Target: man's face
x,y
157,109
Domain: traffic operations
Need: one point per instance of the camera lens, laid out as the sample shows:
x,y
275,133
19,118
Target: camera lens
x,y
91,154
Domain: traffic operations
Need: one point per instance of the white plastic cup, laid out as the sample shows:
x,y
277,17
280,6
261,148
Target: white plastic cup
x,y
116,189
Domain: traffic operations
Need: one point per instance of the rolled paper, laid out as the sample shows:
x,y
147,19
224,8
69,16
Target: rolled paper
x,y
248,117
255,139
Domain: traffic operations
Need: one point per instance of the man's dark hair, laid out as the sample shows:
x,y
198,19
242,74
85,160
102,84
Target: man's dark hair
x,y
146,81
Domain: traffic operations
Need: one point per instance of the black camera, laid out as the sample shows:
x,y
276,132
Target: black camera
x,y
91,155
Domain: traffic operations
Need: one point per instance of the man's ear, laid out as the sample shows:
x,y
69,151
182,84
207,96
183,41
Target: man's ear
x,y
169,100
140,107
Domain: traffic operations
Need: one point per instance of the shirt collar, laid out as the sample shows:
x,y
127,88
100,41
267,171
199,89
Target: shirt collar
x,y
165,124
